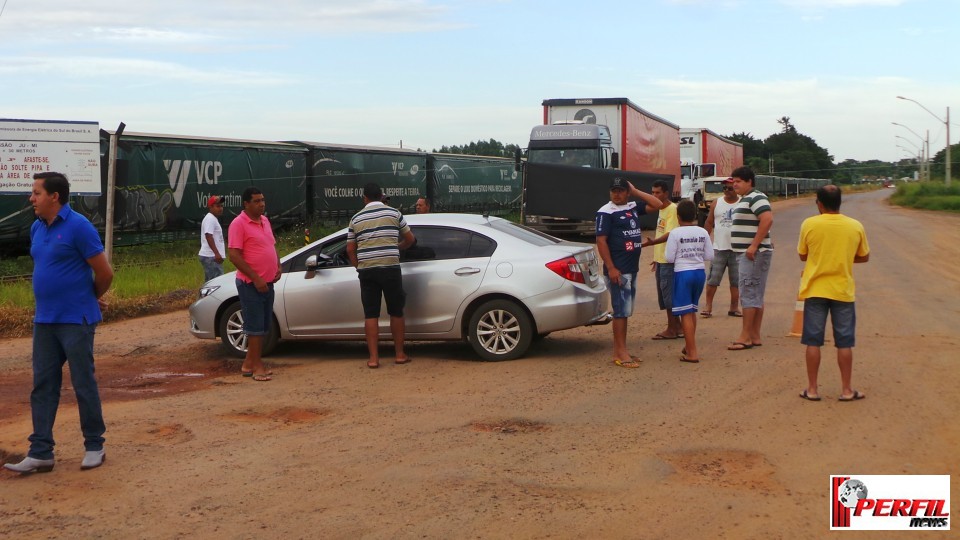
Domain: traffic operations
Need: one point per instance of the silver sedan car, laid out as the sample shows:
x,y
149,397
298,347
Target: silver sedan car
x,y
485,280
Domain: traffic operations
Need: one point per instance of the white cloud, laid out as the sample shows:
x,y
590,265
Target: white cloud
x,y
136,71
182,20
840,3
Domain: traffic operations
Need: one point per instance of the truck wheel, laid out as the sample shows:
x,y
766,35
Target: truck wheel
x,y
500,330
233,339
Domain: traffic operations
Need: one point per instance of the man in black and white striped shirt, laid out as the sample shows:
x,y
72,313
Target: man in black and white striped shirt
x,y
750,240
374,240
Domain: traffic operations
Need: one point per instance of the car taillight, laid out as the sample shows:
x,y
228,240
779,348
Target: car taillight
x,y
567,268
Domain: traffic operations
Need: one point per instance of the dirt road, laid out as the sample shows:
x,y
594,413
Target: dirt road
x,y
559,444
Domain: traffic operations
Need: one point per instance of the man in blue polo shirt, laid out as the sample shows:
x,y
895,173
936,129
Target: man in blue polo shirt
x,y
70,275
618,242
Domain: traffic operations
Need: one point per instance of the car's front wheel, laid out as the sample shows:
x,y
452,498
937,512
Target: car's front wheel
x,y
500,330
233,338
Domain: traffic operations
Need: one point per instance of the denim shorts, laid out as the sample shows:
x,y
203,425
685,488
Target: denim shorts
x,y
753,278
687,287
843,316
665,285
724,259
623,295
256,308
211,268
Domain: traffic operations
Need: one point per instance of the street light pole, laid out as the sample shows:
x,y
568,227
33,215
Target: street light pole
x,y
925,150
947,122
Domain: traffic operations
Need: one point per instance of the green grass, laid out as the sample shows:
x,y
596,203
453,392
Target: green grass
x,y
928,196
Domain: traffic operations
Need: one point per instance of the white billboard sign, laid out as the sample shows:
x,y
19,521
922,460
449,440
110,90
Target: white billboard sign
x,y
28,147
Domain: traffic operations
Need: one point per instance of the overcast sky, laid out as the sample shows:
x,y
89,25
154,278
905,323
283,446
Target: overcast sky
x,y
435,72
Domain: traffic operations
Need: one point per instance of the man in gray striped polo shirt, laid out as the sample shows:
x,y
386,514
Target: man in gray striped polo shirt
x,y
750,240
373,245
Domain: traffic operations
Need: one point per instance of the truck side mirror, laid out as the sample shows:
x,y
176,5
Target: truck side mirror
x,y
615,160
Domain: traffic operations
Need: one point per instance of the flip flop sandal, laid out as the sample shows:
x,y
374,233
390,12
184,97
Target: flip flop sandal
x,y
856,395
629,364
808,397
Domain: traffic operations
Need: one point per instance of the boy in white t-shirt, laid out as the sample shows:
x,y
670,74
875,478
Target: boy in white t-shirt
x,y
688,247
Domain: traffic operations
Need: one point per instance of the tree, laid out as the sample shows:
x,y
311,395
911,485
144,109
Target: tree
x,y
794,154
492,147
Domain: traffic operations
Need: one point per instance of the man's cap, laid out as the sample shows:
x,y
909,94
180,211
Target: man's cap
x,y
214,199
619,183
728,181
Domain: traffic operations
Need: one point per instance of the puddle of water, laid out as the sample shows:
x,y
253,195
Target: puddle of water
x,y
167,375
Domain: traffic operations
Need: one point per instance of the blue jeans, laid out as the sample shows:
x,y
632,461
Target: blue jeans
x,y
211,268
54,344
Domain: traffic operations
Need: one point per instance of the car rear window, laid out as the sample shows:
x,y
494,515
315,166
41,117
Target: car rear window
x,y
526,234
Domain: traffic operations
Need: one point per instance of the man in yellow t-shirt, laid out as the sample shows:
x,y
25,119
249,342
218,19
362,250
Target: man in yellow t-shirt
x,y
830,244
666,222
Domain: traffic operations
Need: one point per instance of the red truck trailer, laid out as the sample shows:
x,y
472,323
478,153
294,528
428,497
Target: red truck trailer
x,y
606,133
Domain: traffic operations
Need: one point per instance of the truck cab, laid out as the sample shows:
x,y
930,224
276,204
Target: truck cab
x,y
572,144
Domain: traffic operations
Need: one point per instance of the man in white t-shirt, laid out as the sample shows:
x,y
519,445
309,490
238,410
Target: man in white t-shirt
x,y
211,240
719,223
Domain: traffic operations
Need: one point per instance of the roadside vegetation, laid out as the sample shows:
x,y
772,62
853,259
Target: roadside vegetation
x,y
148,279
928,196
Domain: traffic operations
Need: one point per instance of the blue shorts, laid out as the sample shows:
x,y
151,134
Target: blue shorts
x,y
843,316
665,285
622,295
256,308
687,287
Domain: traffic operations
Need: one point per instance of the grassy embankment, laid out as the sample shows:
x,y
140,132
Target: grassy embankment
x,y
147,279
928,196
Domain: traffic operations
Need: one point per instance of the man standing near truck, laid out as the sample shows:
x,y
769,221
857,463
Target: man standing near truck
x,y
666,222
618,241
750,239
719,223
212,249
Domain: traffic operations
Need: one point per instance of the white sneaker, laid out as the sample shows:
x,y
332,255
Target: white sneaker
x,y
30,465
93,459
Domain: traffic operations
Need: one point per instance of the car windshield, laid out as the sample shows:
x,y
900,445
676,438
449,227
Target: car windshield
x,y
526,234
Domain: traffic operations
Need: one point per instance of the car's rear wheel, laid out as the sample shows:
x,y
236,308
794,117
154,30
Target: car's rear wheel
x,y
233,338
500,330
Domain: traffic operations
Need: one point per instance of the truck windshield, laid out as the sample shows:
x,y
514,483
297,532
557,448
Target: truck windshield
x,y
574,157
714,187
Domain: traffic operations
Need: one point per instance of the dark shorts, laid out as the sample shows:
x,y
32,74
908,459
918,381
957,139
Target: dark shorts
x,y
256,308
843,316
665,285
382,283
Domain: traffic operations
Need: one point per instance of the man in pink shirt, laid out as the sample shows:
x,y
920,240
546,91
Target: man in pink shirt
x,y
252,249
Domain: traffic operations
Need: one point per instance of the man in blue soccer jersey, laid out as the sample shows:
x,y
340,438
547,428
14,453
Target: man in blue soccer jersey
x,y
618,241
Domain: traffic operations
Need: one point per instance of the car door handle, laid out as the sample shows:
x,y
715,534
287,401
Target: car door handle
x,y
466,271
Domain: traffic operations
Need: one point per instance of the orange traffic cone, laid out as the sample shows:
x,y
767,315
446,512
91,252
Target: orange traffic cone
x,y
797,329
